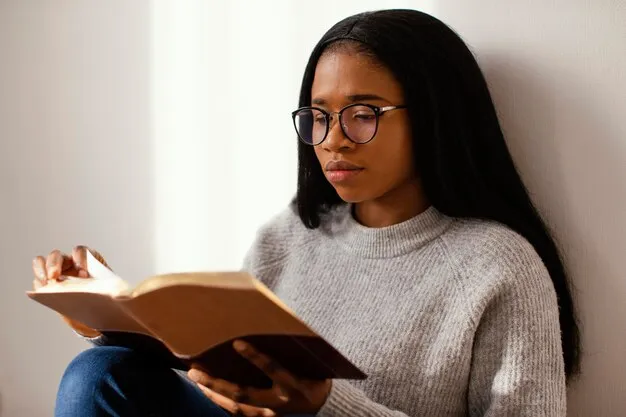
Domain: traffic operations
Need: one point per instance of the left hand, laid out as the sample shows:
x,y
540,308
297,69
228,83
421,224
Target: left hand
x,y
288,394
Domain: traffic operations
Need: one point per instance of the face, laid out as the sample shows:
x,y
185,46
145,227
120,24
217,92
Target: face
x,y
384,164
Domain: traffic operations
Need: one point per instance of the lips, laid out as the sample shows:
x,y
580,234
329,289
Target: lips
x,y
341,171
341,166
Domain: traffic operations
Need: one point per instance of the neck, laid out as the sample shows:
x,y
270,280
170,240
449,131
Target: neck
x,y
397,206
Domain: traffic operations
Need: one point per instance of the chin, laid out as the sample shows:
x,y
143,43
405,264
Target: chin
x,y
351,195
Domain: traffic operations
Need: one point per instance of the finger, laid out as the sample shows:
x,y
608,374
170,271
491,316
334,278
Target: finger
x,y
225,388
39,269
235,408
67,267
247,395
278,374
79,256
68,263
250,411
220,400
37,284
54,264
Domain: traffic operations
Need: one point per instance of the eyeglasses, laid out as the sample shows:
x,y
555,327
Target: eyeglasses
x,y
359,122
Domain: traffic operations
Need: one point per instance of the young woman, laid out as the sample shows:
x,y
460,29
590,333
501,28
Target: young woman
x,y
411,245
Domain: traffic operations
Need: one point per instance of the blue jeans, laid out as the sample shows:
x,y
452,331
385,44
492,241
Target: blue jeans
x,y
117,381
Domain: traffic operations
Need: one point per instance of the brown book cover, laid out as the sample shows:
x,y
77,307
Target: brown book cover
x,y
187,318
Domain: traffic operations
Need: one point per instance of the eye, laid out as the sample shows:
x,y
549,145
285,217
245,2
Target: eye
x,y
319,119
364,116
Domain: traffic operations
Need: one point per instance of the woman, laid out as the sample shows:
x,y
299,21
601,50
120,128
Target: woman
x,y
412,246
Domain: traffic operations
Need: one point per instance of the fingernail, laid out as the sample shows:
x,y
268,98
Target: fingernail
x,y
41,274
282,395
54,272
240,346
200,377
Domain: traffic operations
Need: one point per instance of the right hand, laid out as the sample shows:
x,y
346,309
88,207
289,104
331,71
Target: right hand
x,y
58,265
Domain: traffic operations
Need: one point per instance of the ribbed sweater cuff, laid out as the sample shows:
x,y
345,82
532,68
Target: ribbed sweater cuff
x,y
96,341
342,400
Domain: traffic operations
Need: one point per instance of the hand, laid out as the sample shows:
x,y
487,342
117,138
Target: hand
x,y
288,394
58,265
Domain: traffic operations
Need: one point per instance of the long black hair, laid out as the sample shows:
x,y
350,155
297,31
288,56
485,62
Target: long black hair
x,y
459,148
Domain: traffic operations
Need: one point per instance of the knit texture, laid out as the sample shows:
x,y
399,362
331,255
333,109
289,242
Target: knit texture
x,y
447,317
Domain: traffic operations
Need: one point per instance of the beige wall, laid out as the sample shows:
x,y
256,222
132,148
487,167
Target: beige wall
x,y
75,162
558,72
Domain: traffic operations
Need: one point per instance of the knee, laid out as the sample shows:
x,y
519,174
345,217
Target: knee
x,y
91,369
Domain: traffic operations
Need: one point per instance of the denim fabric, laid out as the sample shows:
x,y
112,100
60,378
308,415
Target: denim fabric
x,y
116,381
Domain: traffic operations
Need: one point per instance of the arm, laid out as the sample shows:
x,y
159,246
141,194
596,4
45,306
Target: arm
x,y
517,361
517,365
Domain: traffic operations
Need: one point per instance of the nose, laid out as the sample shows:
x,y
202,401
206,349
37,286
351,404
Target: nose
x,y
336,139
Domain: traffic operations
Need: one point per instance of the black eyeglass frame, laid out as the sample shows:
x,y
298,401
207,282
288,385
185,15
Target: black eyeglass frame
x,y
378,111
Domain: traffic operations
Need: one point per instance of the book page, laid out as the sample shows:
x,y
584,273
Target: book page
x,y
97,270
111,287
102,281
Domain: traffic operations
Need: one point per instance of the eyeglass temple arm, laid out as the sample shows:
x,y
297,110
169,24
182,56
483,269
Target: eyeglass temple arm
x,y
388,108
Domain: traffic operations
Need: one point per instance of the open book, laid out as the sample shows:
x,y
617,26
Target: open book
x,y
190,318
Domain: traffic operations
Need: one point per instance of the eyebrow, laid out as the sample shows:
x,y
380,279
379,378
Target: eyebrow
x,y
353,98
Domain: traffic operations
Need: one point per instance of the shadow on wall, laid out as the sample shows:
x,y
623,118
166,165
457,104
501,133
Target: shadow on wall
x,y
572,156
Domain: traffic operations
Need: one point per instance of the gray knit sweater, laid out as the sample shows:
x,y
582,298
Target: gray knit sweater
x,y
448,317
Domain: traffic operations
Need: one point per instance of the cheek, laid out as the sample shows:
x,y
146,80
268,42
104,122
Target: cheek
x,y
392,155
319,153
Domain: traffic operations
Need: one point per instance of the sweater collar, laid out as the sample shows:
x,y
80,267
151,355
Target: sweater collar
x,y
389,241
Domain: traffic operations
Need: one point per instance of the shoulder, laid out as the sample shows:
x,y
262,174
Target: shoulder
x,y
277,238
493,260
488,243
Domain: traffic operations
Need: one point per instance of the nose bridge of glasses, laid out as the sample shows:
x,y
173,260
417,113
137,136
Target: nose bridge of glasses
x,y
336,134
333,117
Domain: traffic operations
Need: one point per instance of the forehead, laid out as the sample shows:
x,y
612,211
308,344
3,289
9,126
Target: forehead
x,y
342,74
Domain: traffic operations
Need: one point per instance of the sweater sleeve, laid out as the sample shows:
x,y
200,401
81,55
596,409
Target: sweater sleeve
x,y
517,361
345,400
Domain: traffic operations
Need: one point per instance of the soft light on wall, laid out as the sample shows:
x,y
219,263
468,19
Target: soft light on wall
x,y
225,79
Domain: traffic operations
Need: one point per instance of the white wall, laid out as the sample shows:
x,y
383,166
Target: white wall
x,y
226,77
166,86
75,167
558,73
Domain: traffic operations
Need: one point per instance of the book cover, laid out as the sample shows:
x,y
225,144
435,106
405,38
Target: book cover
x,y
186,318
